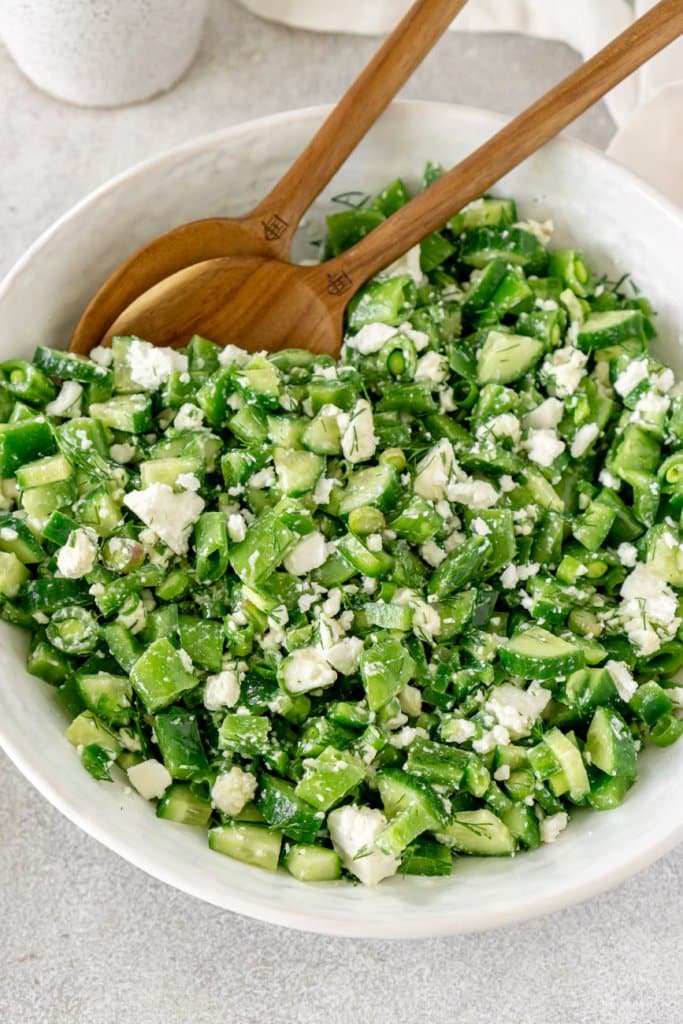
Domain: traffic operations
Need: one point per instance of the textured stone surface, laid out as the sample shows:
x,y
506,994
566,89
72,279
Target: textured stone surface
x,y
87,937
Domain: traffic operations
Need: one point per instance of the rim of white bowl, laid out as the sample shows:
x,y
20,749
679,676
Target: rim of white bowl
x,y
365,925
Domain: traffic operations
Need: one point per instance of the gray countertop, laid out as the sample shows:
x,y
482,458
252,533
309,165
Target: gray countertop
x,y
87,937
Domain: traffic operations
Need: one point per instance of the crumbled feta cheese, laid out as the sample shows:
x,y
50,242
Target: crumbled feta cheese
x,y
67,402
545,416
543,446
306,669
502,774
222,690
517,709
435,470
622,679
480,527
551,826
409,264
507,484
323,490
426,619
101,355
188,481
122,453
607,480
566,368
171,515
263,479
410,699
628,380
651,409
353,831
233,790
371,338
583,439
458,730
405,736
514,574
150,366
78,555
432,553
373,542
432,367
648,610
344,656
447,401
188,417
331,606
542,229
306,602
230,354
237,528
627,554
150,778
419,338
473,493
504,425
185,659
309,554
497,737
358,438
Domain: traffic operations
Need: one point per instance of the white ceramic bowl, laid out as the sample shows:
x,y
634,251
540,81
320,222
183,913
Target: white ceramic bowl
x,y
622,225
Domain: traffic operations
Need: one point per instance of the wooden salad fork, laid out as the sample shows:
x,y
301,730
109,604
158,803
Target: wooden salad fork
x,y
266,303
270,228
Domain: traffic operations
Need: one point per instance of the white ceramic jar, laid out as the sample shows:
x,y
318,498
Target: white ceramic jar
x,y
102,53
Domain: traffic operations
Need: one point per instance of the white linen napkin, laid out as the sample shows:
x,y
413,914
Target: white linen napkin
x,y
647,107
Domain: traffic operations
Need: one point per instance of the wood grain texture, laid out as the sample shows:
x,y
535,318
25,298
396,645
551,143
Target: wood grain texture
x,y
269,304
269,229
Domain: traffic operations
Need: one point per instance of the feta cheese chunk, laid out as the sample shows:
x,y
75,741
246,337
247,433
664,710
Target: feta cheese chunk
x,y
545,416
551,826
432,367
188,417
358,438
170,515
78,555
151,778
622,679
309,554
237,528
473,493
434,471
648,610
222,690
517,709
67,402
307,669
628,380
371,338
344,656
233,790
583,439
353,831
150,366
543,446
566,367
409,264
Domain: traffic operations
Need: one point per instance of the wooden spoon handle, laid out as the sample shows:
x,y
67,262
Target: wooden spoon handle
x,y
509,147
358,109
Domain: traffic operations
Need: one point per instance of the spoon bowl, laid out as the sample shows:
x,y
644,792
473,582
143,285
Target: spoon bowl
x,y
217,299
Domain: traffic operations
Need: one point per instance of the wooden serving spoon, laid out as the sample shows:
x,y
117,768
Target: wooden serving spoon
x,y
269,229
262,303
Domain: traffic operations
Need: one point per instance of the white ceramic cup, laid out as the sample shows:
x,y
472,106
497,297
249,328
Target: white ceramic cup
x,y
102,53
